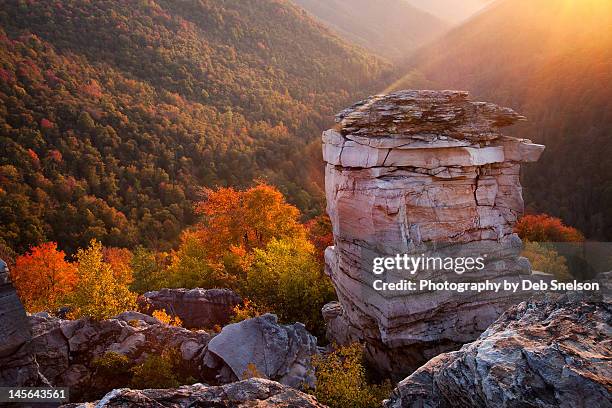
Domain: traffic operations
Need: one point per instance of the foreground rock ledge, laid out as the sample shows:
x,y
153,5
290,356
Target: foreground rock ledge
x,y
255,392
554,351
410,173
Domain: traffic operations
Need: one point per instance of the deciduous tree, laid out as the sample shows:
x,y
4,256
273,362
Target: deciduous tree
x,y
43,277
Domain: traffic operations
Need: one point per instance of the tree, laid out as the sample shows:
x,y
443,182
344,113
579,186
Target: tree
x,y
287,278
99,294
248,219
148,271
119,260
190,267
43,277
544,228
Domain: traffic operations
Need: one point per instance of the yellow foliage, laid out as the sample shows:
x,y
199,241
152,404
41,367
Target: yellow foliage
x,y
165,318
341,380
545,259
99,294
247,310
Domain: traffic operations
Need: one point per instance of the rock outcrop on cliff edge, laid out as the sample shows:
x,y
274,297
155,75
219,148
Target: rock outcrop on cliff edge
x,y
421,173
550,351
255,392
197,308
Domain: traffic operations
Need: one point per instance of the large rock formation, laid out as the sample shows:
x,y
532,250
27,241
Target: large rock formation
x,y
14,328
255,392
197,308
18,366
68,351
262,347
553,351
421,172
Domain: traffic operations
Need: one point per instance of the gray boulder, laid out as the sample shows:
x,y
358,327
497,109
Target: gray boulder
x,y
553,351
262,347
197,308
255,392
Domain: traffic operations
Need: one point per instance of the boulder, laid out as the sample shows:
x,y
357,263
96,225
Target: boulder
x,y
550,351
421,173
261,347
197,308
254,392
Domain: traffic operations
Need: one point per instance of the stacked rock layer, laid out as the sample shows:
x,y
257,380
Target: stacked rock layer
x,y
421,173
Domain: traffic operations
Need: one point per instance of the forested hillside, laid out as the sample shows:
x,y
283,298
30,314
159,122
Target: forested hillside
x,y
113,115
454,11
551,60
389,28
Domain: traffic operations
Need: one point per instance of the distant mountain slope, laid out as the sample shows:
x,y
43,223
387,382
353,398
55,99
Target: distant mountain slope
x,y
450,10
552,61
113,114
390,28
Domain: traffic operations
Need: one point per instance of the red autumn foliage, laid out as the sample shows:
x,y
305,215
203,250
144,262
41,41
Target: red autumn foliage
x,y
544,228
43,277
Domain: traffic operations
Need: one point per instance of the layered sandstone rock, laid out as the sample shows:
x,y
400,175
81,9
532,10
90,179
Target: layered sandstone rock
x,y
552,351
197,308
421,172
262,347
255,392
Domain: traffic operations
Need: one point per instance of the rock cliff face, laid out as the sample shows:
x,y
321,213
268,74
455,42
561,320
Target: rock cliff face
x,y
197,308
255,392
552,351
14,328
66,350
421,173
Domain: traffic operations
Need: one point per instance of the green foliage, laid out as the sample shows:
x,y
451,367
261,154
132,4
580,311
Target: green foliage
x,y
112,364
99,294
545,259
190,267
148,271
158,371
110,138
342,383
287,278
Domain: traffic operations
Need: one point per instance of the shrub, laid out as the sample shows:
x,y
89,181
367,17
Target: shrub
x,y
157,371
247,310
165,318
546,259
112,364
342,383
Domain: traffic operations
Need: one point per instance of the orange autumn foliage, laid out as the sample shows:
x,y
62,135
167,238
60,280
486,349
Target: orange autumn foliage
x,y
43,277
119,260
246,219
544,228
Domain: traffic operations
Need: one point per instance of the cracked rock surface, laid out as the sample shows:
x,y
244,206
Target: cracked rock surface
x,y
421,172
550,351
